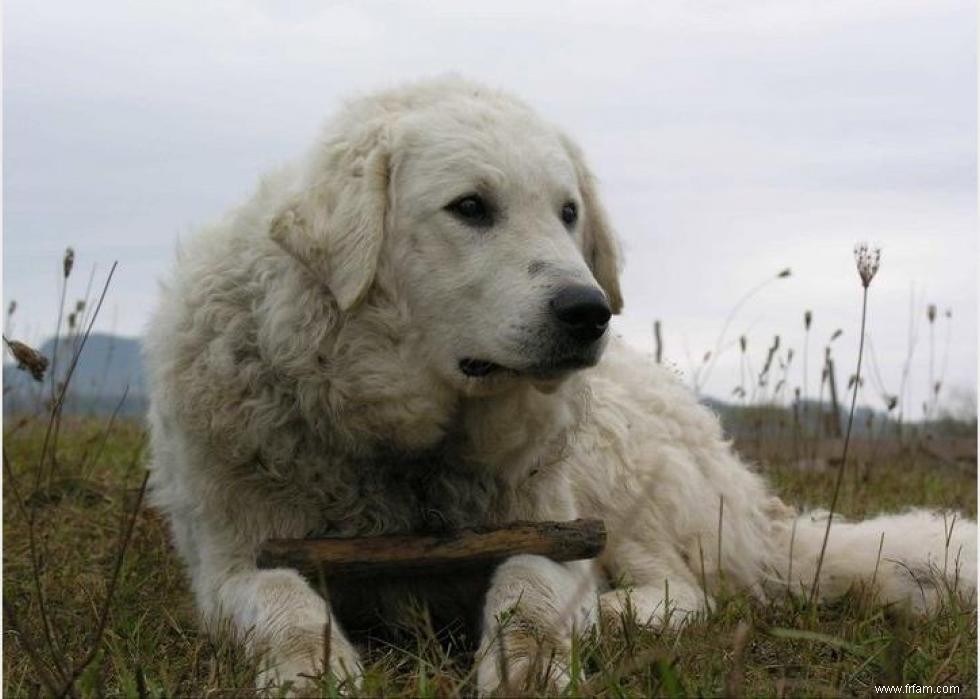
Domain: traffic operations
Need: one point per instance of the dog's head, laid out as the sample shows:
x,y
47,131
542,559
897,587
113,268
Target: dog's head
x,y
482,219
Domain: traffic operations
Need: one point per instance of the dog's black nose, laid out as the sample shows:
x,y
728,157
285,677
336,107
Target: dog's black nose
x,y
582,312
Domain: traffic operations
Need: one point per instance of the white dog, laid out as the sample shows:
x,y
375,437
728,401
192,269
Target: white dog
x,y
405,332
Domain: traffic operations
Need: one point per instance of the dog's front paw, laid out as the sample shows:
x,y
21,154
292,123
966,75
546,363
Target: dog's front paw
x,y
299,667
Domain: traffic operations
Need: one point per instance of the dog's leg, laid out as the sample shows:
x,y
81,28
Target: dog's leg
x,y
533,607
282,618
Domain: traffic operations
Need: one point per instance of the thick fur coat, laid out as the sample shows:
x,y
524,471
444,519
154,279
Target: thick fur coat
x,y
362,349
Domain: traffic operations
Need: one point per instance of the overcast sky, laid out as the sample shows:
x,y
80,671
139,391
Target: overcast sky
x,y
732,139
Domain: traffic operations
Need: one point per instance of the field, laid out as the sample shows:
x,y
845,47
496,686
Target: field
x,y
151,644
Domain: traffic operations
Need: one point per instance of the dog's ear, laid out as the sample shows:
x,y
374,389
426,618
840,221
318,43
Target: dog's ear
x,y
599,243
336,225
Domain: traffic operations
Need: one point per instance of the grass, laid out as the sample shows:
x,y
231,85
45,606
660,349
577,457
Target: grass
x,y
153,646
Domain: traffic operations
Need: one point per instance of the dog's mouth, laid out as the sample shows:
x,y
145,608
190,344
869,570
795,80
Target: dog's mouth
x,y
482,368
479,368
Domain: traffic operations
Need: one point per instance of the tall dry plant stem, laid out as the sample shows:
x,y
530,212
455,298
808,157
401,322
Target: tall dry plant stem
x,y
30,514
54,421
658,342
67,263
868,262
913,339
702,379
930,402
940,381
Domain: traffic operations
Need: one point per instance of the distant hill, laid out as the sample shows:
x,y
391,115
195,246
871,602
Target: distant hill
x,y
110,363
106,366
810,415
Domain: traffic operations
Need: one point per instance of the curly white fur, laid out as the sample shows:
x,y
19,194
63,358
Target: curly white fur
x,y
305,377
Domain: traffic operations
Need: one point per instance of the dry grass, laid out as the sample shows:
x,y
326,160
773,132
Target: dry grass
x,y
153,646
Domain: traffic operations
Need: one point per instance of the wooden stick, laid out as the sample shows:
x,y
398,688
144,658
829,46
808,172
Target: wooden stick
x,y
460,551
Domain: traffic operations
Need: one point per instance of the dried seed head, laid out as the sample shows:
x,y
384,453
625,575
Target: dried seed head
x,y
807,319
79,306
11,308
28,358
707,356
949,312
68,262
71,321
868,261
743,343
784,273
891,401
931,312
837,333
769,356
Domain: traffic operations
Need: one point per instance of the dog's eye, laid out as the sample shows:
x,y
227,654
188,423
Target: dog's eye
x,y
472,210
569,213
